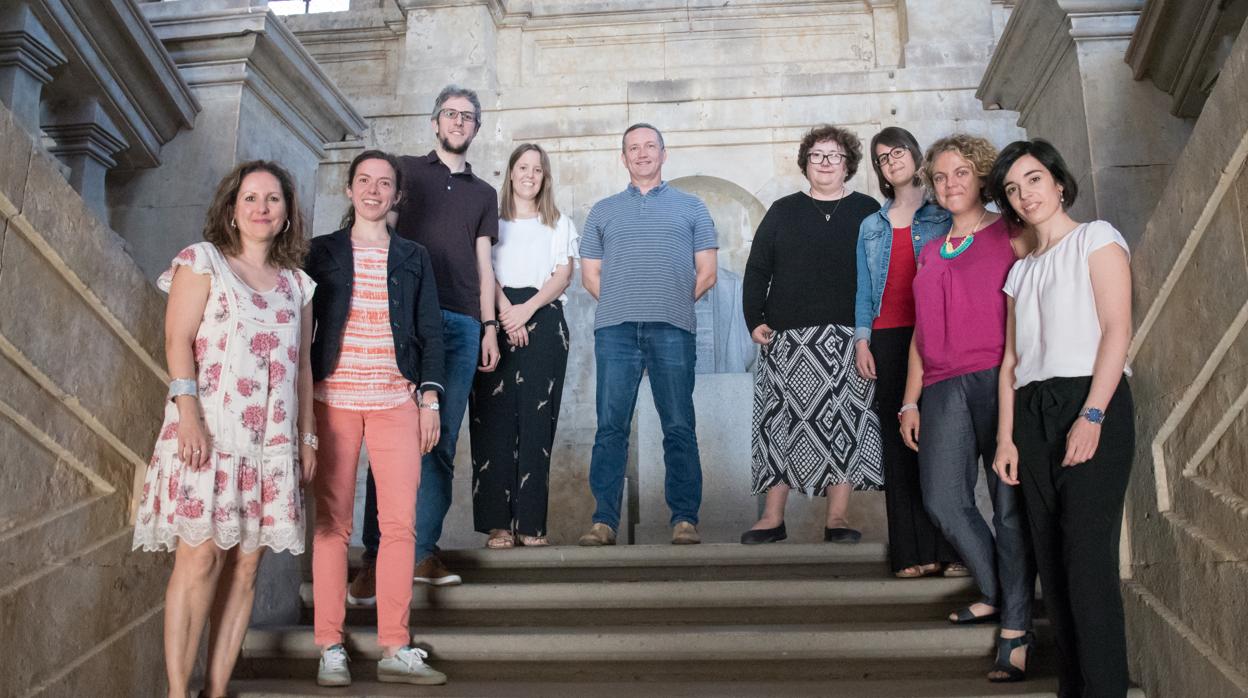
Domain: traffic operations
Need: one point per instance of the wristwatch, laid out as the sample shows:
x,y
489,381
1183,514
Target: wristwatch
x,y
1093,415
490,323
428,405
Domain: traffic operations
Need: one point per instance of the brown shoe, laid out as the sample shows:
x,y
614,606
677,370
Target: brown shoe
x,y
685,533
431,571
598,534
363,589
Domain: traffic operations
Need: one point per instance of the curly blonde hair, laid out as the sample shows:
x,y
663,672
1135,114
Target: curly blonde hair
x,y
977,151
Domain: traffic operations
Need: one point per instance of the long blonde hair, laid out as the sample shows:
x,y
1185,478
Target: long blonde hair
x,y
547,212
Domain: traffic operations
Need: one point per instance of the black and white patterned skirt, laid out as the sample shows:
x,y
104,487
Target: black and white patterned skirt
x,y
813,422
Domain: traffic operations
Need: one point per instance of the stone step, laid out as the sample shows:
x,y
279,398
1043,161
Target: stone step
x,y
665,603
693,563
606,644
929,687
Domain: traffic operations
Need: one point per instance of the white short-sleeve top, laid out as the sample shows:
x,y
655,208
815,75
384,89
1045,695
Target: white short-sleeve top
x,y
1056,327
528,251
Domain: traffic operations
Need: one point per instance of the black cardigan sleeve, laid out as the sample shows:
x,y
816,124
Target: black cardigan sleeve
x,y
429,329
758,272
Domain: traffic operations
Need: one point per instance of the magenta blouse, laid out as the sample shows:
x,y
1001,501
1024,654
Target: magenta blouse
x,y
959,306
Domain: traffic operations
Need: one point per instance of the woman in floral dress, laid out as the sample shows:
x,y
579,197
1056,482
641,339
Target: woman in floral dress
x,y
238,437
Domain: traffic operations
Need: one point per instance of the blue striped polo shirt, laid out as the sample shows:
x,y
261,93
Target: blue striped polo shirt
x,y
646,243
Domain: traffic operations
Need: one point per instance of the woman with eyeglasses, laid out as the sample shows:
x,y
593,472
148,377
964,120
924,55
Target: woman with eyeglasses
x,y
889,242
813,427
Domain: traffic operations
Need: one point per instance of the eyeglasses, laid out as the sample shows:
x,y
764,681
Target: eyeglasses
x,y
894,154
820,158
455,114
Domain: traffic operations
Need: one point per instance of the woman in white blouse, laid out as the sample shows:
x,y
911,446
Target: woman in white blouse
x,y
515,409
1066,430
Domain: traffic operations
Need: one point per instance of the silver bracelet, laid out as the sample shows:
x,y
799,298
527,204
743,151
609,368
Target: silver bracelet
x,y
183,386
310,439
906,408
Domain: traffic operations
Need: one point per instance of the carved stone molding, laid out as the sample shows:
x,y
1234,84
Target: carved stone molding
x,y
88,141
114,57
218,42
1181,46
27,53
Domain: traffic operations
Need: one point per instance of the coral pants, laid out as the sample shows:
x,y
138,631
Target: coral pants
x,y
394,451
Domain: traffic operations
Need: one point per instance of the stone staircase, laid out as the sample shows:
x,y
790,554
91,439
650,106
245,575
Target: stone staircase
x,y
710,620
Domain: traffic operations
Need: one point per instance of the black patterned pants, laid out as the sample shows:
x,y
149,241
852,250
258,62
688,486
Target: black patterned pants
x,y
514,411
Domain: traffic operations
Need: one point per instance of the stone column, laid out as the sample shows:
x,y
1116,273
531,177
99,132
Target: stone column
x,y
1060,64
86,140
27,53
262,96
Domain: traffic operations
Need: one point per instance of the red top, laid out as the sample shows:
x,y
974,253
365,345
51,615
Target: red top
x,y
897,304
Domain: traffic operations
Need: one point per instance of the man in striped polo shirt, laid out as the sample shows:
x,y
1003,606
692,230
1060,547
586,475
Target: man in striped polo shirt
x,y
647,254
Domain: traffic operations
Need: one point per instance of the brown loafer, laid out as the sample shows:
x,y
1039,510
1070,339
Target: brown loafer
x,y
685,533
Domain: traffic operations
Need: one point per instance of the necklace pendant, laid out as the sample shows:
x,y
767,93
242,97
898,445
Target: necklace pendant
x,y
827,217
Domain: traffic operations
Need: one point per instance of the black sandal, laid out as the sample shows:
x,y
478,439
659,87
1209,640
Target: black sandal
x,y
965,616
1005,652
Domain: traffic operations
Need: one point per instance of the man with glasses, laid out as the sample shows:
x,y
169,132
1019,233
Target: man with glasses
x,y
454,214
647,254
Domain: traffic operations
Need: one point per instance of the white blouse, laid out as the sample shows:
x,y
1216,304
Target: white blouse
x,y
1056,328
528,252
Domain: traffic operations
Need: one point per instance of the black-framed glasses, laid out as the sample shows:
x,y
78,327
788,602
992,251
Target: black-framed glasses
x,y
894,154
820,158
455,114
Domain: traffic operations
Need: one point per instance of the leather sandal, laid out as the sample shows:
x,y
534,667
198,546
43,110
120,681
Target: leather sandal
x,y
500,539
533,541
1005,652
965,616
917,571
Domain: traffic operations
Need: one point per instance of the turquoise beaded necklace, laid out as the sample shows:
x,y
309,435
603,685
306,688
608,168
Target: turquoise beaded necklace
x,y
948,251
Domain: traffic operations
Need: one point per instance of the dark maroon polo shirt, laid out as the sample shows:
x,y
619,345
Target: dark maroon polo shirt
x,y
446,213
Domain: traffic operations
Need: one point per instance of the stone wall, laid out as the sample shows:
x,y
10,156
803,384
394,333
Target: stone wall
x,y
1188,501
81,379
733,86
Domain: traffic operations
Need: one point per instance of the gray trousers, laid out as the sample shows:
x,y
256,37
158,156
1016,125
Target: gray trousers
x,y
959,427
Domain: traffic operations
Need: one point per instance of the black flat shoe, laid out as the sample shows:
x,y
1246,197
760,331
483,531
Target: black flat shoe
x,y
964,616
764,535
848,536
1005,650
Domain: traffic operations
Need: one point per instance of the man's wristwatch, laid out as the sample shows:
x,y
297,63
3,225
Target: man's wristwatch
x,y
428,405
490,323
1093,415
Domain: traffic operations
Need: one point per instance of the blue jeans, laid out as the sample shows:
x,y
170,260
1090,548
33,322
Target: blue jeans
x,y
960,430
462,336
668,353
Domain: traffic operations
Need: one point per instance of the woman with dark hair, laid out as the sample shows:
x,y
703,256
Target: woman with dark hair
x,y
238,438
1066,429
955,357
814,430
377,365
889,242
515,409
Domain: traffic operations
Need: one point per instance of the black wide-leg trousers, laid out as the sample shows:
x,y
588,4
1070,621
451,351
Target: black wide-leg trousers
x,y
1075,515
514,411
912,537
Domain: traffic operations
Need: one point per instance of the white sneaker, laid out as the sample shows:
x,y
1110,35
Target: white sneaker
x,y
332,670
408,666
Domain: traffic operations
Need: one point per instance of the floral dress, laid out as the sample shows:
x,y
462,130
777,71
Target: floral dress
x,y
247,358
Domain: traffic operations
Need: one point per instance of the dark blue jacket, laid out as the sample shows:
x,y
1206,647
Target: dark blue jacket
x,y
415,317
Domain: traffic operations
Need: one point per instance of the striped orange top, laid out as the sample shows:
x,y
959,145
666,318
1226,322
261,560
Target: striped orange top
x,y
367,376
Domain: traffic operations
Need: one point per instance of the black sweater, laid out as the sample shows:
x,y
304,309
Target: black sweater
x,y
802,269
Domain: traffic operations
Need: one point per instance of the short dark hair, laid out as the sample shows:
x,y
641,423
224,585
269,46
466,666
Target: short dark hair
x,y
896,137
1048,156
640,125
842,137
457,91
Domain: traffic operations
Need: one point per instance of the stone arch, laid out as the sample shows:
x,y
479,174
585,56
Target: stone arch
x,y
736,213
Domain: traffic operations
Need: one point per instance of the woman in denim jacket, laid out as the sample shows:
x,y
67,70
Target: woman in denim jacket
x,y
883,326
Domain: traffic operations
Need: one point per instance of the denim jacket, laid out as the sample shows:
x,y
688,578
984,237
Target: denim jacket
x,y
875,245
